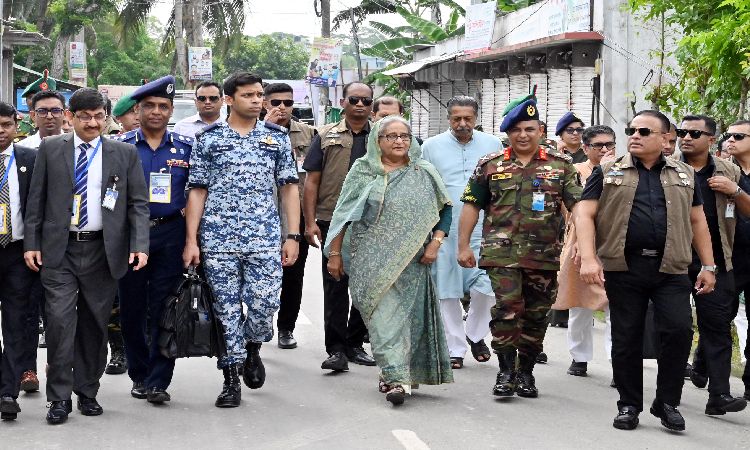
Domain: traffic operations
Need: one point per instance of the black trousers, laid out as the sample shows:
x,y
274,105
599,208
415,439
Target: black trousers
x,y
18,309
629,293
715,311
291,286
343,326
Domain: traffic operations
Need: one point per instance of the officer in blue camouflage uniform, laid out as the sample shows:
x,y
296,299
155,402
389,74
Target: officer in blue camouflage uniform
x,y
233,169
165,157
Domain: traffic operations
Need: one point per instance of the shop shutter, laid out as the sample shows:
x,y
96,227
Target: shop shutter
x,y
580,92
558,98
540,80
420,114
488,105
446,92
434,102
502,98
474,92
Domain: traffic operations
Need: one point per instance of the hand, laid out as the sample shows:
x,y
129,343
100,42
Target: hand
x,y
312,230
609,155
29,257
466,258
592,271
430,252
575,255
336,267
705,282
722,184
273,116
191,255
142,260
289,252
561,146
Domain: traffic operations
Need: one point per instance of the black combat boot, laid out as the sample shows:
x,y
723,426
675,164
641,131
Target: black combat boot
x,y
253,372
505,385
117,362
524,379
231,395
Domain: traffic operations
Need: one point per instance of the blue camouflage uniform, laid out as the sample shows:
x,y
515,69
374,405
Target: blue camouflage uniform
x,y
240,229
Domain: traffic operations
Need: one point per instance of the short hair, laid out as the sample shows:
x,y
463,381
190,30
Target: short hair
x,y
709,122
8,110
86,99
207,84
41,95
348,85
462,100
739,122
594,131
238,79
386,121
653,113
388,100
278,88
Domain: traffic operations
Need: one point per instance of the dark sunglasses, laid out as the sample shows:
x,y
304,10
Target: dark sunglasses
x,y
56,112
629,131
736,136
695,134
211,98
367,101
277,102
571,130
601,145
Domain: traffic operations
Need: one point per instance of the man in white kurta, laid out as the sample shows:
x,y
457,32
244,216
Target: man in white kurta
x,y
455,154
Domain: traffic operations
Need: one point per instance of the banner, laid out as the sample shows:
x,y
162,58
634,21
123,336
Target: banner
x,y
325,61
200,63
480,25
77,60
567,16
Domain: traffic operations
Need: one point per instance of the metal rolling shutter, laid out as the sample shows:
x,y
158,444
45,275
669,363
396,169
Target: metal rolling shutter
x,y
519,86
502,98
580,92
540,80
434,102
419,113
446,92
558,97
488,105
474,92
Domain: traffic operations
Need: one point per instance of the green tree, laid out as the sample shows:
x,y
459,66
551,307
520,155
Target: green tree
x,y
270,57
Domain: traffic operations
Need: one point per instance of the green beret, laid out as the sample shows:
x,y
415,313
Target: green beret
x,y
42,84
123,105
517,102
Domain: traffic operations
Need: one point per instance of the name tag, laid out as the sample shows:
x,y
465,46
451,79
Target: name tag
x,y
730,210
223,148
4,220
538,201
160,187
268,147
501,176
110,199
300,162
74,218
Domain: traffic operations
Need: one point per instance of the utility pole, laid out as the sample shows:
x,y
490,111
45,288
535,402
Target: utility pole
x,y
325,32
356,43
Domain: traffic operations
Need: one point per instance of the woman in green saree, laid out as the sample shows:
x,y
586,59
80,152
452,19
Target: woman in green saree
x,y
388,225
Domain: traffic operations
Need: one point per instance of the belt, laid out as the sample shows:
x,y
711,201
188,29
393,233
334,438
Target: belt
x,y
86,236
166,219
645,252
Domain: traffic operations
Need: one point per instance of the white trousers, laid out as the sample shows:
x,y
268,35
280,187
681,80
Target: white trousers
x,y
477,322
581,334
741,323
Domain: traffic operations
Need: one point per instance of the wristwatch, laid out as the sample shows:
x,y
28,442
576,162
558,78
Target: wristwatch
x,y
439,239
709,268
737,192
296,237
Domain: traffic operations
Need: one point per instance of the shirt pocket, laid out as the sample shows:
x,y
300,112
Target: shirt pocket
x,y
504,190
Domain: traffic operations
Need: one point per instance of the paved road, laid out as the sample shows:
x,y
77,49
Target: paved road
x,y
303,407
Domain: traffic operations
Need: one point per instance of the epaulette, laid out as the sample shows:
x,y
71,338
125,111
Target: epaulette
x,y
125,136
276,127
184,139
563,156
487,158
208,128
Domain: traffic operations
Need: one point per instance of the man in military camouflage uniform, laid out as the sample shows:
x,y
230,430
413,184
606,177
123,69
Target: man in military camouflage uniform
x,y
521,191
26,127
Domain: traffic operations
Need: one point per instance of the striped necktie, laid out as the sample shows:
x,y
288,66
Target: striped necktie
x,y
83,179
5,199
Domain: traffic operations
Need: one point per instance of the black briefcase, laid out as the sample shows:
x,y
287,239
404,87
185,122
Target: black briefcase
x,y
189,327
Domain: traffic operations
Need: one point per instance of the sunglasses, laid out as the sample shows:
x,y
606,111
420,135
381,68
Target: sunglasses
x,y
211,98
601,145
56,112
695,134
277,102
736,136
572,130
629,131
367,101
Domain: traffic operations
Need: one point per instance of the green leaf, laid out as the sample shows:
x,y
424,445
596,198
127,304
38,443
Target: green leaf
x,y
428,29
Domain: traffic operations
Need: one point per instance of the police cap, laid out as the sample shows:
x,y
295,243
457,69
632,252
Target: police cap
x,y
566,120
163,87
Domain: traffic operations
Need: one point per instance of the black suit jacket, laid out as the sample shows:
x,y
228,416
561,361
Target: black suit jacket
x,y
25,158
50,202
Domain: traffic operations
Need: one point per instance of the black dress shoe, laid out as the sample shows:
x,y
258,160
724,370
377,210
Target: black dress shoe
x,y
231,394
669,415
699,380
359,356
541,358
157,395
688,371
286,340
718,405
627,418
117,363
59,410
336,362
253,371
139,390
89,406
578,369
9,404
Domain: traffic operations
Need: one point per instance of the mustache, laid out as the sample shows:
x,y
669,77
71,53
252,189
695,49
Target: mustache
x,y
463,128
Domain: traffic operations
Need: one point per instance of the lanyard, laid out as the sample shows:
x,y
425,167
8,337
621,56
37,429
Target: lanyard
x,y
7,169
93,155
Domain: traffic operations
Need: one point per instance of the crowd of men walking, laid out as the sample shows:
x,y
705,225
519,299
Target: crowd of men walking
x,y
102,210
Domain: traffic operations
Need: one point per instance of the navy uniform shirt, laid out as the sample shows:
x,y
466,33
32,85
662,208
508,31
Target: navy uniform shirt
x,y
173,156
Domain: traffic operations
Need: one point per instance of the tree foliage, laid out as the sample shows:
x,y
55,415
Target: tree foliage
x,y
273,57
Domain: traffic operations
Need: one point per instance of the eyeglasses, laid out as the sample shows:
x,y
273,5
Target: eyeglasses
x,y
101,117
629,131
695,134
210,98
572,130
736,136
56,112
367,101
287,103
601,145
395,137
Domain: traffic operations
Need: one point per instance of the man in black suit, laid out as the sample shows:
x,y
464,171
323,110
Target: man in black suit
x,y
87,211
16,169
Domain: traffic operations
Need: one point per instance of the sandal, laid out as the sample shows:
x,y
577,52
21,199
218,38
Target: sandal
x,y
457,362
396,394
382,387
478,349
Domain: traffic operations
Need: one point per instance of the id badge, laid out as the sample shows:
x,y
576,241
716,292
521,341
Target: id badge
x,y
538,203
110,198
300,162
160,188
76,210
4,220
730,210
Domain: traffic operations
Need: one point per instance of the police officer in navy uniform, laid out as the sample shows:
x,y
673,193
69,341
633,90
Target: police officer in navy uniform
x,y
165,156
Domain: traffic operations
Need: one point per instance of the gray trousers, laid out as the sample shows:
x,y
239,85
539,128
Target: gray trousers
x,y
79,296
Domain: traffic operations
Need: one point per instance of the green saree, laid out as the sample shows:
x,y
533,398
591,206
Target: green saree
x,y
391,216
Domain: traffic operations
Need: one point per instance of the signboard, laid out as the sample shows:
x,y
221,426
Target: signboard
x,y
551,18
200,64
22,107
480,24
115,92
566,16
325,62
77,60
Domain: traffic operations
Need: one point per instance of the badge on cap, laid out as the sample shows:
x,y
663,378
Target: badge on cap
x,y
170,88
531,110
44,86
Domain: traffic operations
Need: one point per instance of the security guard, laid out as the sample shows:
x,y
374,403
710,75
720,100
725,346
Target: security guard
x,y
165,157
124,112
635,224
27,127
570,129
522,190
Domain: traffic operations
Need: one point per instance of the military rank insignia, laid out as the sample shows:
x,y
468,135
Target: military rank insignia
x,y
268,143
178,163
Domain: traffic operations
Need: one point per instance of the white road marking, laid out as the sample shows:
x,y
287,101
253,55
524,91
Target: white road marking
x,y
409,440
302,319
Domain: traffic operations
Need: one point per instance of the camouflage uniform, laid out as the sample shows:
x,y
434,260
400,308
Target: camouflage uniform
x,y
521,247
26,127
240,230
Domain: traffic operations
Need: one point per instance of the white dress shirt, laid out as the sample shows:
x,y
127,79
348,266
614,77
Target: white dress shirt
x,y
193,124
16,218
94,185
34,140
